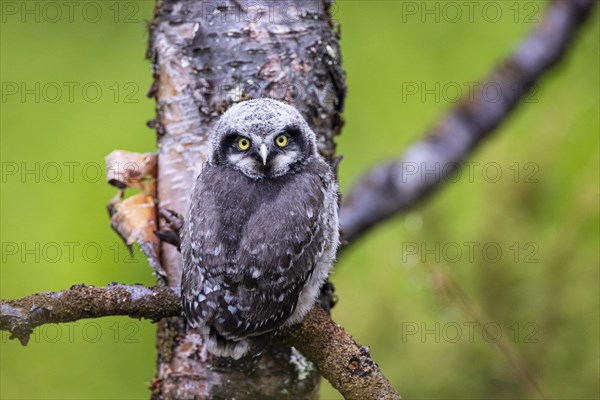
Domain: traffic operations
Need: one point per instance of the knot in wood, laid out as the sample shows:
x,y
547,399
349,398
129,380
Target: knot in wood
x,y
354,364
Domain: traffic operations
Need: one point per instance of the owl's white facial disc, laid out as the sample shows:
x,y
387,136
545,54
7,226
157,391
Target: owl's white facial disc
x,y
262,138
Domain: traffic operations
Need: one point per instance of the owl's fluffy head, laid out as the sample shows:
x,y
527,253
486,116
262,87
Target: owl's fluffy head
x,y
262,138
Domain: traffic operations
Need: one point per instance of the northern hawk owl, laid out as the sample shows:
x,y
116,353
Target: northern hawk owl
x,y
261,232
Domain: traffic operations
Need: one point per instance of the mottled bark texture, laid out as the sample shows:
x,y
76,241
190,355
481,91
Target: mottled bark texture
x,y
207,56
343,362
346,364
21,316
398,185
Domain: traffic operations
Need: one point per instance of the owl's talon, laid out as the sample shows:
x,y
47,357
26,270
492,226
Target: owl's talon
x,y
174,222
170,237
173,219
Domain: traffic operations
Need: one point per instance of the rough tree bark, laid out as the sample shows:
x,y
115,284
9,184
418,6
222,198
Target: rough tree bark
x,y
346,364
205,57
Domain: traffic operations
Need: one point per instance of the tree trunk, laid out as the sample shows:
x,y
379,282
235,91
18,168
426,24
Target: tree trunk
x,y
205,57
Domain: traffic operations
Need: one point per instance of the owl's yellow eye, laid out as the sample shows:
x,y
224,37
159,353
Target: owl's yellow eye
x,y
243,143
281,140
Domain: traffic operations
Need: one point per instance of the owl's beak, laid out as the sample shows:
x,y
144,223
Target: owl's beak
x,y
264,152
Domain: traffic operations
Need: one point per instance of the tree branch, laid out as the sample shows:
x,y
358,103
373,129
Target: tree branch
x,y
205,57
398,185
343,362
22,316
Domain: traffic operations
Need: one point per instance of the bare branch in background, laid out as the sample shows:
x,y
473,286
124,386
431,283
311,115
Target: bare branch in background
x,y
347,365
384,191
398,185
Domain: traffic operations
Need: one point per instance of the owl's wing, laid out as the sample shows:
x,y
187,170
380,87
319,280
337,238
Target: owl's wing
x,y
255,250
206,244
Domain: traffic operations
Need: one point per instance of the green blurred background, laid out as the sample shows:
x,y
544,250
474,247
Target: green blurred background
x,y
542,292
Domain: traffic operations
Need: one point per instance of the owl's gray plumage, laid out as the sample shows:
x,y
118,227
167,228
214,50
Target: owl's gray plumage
x,y
261,232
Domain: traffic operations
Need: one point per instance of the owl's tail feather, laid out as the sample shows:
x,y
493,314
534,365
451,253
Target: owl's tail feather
x,y
241,355
222,347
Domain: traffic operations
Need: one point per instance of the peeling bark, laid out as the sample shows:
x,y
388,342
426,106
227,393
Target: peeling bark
x,y
134,218
202,64
207,56
129,169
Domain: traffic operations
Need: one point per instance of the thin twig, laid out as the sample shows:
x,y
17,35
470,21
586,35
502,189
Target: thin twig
x,y
445,285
